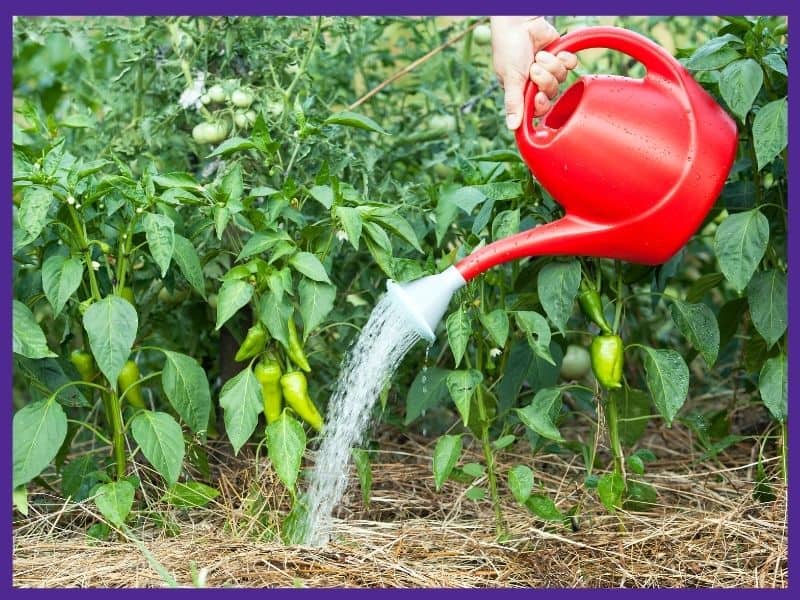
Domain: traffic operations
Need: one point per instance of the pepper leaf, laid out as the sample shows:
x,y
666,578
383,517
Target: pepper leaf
x,y
286,443
111,326
240,400
461,385
39,430
558,285
28,337
445,456
667,379
161,440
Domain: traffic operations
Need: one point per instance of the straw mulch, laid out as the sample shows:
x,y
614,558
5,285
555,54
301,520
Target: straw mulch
x,y
707,531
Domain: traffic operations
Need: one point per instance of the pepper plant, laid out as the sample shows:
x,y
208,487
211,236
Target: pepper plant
x,y
206,210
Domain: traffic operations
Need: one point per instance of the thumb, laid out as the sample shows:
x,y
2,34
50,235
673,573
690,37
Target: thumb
x,y
514,100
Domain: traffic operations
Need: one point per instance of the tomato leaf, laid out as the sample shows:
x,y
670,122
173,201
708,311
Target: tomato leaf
x,y
352,119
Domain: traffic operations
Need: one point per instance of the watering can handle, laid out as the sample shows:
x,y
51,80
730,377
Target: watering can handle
x,y
657,61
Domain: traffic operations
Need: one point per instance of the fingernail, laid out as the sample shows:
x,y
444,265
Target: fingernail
x,y
544,57
512,121
537,70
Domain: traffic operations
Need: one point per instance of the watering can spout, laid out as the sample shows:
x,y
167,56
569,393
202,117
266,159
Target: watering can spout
x,y
425,300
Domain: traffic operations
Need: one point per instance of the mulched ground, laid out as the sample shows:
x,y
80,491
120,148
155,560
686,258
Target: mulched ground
x,y
707,530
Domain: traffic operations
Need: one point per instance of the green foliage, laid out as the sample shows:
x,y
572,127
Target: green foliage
x,y
135,237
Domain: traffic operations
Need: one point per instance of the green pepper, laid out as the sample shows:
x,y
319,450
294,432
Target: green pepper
x,y
268,373
607,360
592,307
296,348
253,343
84,364
129,376
295,391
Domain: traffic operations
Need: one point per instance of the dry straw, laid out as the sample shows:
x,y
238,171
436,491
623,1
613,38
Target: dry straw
x,y
707,531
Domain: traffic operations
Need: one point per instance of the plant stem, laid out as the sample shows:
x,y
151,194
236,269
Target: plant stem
x,y
466,58
490,466
784,440
304,65
80,231
612,419
754,159
114,409
124,252
618,312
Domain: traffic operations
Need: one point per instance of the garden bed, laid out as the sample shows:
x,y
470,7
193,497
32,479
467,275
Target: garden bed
x,y
707,531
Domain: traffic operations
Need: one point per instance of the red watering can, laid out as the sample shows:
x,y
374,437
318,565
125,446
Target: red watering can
x,y
636,163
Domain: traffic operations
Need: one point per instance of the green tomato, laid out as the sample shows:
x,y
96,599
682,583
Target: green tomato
x,y
251,116
200,133
217,94
446,122
274,108
241,120
576,363
205,99
482,35
210,133
218,132
241,98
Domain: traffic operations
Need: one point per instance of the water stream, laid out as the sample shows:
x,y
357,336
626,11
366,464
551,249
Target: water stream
x,y
369,364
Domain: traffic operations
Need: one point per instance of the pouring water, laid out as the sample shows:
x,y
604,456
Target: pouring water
x,y
406,314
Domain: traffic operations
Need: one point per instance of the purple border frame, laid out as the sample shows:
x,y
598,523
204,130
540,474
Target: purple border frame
x,y
362,7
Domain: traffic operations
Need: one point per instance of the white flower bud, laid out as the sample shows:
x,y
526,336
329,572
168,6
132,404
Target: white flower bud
x,y
495,352
70,200
95,265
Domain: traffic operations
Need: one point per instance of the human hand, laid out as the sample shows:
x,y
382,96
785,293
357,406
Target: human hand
x,y
516,44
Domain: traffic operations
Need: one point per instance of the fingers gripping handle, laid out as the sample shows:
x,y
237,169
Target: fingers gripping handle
x,y
655,59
